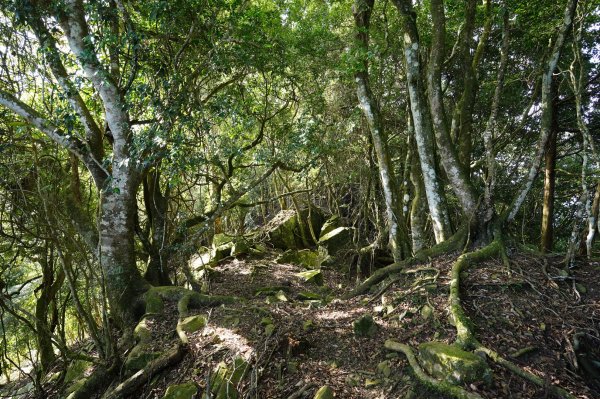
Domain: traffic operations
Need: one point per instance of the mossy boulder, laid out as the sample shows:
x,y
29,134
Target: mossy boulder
x,y
310,259
76,370
193,323
337,240
452,364
314,276
241,246
142,332
288,231
188,390
325,392
364,326
331,224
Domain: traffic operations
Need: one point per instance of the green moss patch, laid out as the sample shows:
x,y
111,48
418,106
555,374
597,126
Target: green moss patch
x,y
452,364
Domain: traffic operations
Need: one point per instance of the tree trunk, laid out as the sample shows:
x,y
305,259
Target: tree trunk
x,y
457,174
547,239
422,123
547,110
370,109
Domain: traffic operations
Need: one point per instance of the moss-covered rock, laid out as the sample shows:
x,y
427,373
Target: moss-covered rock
x,y
76,370
452,364
337,240
241,246
193,323
331,224
310,259
325,392
142,332
312,276
188,390
364,326
288,231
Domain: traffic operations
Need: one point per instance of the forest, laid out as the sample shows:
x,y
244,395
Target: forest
x,y
299,199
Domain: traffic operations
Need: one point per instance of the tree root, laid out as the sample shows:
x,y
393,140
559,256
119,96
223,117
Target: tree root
x,y
130,385
452,244
440,386
464,331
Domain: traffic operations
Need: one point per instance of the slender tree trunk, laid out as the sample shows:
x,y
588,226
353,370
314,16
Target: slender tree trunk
x,y
422,123
547,236
370,109
547,110
456,173
489,133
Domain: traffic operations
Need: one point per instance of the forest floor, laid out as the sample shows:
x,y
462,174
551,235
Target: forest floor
x,y
298,336
312,343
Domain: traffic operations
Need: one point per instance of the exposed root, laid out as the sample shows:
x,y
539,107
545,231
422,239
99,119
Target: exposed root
x,y
154,300
130,385
464,331
440,386
452,244
464,334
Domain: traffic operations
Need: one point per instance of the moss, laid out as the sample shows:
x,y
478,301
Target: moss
x,y
325,392
76,370
306,258
452,364
141,332
188,390
193,323
139,357
364,326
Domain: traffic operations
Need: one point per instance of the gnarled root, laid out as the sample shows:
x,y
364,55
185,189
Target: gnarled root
x,y
464,331
452,244
130,385
440,386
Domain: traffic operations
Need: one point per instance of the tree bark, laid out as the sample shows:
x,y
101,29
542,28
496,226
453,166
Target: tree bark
x,y
370,109
547,236
546,103
422,123
456,172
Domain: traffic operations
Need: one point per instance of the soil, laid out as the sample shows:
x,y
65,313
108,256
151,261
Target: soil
x,y
298,336
313,344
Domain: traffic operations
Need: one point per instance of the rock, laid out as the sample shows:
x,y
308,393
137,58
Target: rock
x,y
141,332
337,240
452,364
193,323
285,232
312,276
426,312
365,326
325,392
330,224
241,246
307,258
76,370
181,391
581,288
384,368
226,378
